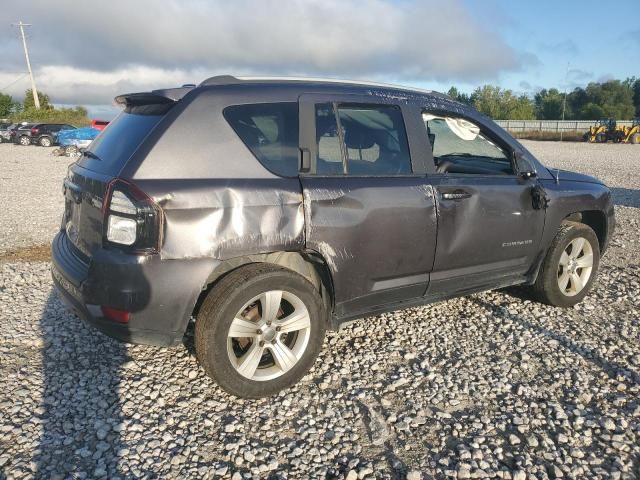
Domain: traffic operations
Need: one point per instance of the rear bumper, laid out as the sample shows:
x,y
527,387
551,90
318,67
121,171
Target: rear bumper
x,y
159,294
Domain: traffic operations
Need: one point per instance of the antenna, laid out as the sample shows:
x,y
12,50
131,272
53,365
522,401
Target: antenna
x,y
34,91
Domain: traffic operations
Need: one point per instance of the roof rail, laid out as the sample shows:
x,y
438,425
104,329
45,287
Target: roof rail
x,y
220,80
231,80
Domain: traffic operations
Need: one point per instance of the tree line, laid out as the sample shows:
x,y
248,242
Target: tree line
x,y
619,99
26,111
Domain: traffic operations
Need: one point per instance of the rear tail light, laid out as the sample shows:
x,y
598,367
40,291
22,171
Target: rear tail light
x,y
120,316
132,220
35,131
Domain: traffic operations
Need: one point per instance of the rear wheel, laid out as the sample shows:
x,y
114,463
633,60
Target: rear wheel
x,y
24,140
635,139
570,266
45,141
259,330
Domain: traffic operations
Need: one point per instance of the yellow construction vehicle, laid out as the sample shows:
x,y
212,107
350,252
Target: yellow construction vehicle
x,y
603,131
631,134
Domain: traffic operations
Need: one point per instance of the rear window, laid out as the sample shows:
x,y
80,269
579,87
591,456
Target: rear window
x,y
270,131
109,152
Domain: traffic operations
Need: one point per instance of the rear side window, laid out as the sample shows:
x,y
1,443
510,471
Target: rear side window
x,y
109,152
361,140
270,131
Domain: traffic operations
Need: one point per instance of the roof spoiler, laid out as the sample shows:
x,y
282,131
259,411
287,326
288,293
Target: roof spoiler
x,y
162,96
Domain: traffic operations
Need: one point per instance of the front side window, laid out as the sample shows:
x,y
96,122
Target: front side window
x,y
270,131
459,146
361,140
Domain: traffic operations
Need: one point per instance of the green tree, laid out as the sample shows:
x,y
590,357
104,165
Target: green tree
x,y
75,116
576,101
28,102
634,84
614,99
549,104
502,104
7,105
459,96
592,111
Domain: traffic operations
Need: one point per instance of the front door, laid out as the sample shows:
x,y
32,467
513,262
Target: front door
x,y
488,229
367,213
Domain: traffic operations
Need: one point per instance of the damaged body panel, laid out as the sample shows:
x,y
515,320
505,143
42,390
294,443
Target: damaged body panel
x,y
351,186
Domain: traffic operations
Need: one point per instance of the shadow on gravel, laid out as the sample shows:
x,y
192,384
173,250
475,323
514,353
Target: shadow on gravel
x,y
80,412
626,197
614,370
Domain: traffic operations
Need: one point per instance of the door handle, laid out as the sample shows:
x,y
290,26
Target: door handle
x,y
457,195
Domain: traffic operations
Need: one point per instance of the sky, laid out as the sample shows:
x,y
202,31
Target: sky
x,y
87,52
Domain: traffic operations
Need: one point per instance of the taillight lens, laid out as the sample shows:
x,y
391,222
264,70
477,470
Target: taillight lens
x,y
132,219
34,131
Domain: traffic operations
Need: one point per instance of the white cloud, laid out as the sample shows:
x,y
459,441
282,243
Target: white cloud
x,y
87,51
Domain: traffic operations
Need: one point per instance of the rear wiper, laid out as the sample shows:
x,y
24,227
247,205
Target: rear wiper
x,y
89,154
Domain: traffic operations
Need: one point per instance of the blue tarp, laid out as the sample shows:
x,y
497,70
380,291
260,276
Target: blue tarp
x,y
70,137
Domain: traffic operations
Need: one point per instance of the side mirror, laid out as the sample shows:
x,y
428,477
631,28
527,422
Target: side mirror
x,y
524,167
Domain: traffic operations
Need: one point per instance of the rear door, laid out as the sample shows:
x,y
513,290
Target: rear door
x,y
488,231
369,210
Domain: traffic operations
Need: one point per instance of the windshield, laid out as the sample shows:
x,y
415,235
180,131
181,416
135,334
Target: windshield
x,y
109,152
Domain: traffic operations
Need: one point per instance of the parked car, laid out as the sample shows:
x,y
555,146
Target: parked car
x,y
4,131
74,142
43,134
291,207
99,124
21,134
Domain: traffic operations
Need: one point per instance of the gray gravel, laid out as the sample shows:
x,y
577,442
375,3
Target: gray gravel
x,y
31,183
489,386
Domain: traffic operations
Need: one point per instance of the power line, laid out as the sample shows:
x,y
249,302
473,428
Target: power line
x,y
34,91
16,80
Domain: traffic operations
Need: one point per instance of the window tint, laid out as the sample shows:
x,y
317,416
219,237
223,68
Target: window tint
x,y
372,138
270,131
459,146
112,148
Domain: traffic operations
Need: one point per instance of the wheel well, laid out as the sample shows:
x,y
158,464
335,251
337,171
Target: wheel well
x,y
594,219
310,265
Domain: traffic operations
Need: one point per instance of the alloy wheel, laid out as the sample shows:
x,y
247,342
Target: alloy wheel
x,y
575,266
268,335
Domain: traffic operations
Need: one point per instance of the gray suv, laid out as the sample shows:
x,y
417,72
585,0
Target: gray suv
x,y
270,210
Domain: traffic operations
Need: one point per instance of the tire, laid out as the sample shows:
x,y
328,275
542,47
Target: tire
x,y
24,140
45,141
635,139
237,299
552,274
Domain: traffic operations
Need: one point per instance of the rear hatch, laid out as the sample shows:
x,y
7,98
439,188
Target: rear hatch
x,y
87,180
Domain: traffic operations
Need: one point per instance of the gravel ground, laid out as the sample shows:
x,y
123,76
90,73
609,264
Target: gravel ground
x,y
31,178
488,386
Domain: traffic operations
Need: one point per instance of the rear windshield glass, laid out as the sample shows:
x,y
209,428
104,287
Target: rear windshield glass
x,y
114,146
270,130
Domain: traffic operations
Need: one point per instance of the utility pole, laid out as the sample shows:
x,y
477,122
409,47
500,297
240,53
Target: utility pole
x,y
564,101
36,100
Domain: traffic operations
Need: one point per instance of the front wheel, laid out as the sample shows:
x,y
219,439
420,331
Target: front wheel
x,y
259,330
570,266
24,140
